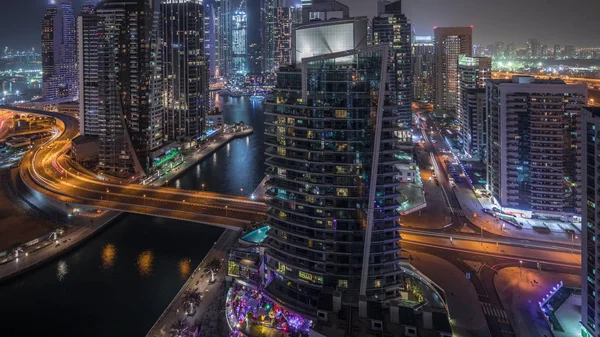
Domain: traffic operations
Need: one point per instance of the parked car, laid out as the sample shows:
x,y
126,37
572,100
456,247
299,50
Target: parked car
x,y
489,211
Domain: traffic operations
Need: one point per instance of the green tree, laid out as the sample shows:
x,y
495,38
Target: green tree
x,y
213,265
179,327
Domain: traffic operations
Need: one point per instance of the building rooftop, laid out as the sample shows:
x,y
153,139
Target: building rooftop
x,y
527,80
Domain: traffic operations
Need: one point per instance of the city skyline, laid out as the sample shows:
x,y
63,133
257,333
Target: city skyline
x,y
19,24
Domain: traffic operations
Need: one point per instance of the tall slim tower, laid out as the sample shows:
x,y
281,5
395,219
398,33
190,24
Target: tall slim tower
x,y
239,42
450,42
472,74
59,46
185,70
87,61
280,18
392,28
423,66
130,113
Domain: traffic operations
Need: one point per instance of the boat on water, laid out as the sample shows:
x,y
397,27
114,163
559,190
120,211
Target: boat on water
x,y
257,98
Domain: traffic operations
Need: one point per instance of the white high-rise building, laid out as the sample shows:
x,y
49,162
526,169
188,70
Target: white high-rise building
x,y
533,160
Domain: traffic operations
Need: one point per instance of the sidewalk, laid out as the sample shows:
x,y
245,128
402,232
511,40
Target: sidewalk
x,y
471,205
519,296
39,253
210,292
466,314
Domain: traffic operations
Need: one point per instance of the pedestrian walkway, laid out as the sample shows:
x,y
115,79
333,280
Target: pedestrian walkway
x,y
490,310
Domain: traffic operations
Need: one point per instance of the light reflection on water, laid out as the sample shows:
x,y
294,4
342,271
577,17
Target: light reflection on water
x,y
61,270
185,268
109,254
144,262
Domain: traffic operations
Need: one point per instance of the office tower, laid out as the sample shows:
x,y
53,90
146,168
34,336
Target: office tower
x,y
569,52
472,73
323,10
239,43
87,61
129,87
449,43
556,53
333,193
533,49
59,50
423,68
532,142
185,70
500,50
590,183
391,27
281,17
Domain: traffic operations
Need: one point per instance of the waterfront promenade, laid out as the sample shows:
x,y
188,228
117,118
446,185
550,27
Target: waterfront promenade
x,y
199,280
85,226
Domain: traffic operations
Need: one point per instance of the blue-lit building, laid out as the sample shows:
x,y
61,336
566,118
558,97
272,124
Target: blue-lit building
x,y
239,42
59,50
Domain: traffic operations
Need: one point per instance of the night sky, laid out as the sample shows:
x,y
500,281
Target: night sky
x,y
550,21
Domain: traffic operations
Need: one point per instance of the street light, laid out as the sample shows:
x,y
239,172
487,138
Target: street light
x,y
202,187
520,265
225,211
144,200
107,194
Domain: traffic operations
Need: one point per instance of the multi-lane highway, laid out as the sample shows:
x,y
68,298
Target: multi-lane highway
x,y
46,169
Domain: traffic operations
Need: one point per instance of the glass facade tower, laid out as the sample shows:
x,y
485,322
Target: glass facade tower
x,y
185,70
331,136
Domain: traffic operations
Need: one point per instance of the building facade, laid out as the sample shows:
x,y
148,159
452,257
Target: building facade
x,y
590,220
59,50
391,27
130,112
239,42
423,68
472,74
450,42
333,215
185,70
280,18
87,62
533,164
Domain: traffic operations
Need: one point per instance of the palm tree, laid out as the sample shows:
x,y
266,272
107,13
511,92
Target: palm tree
x,y
213,265
179,327
191,299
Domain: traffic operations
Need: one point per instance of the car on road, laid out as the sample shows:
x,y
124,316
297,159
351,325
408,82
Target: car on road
x,y
489,211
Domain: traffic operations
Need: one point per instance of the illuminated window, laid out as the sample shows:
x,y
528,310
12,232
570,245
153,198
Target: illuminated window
x,y
281,151
377,283
343,283
341,114
341,192
233,269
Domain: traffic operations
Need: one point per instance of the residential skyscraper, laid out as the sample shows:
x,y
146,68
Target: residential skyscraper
x,y
556,53
423,68
391,27
533,49
211,36
532,160
59,50
500,50
472,74
185,70
450,42
224,45
130,113
333,214
255,13
87,61
569,52
590,229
